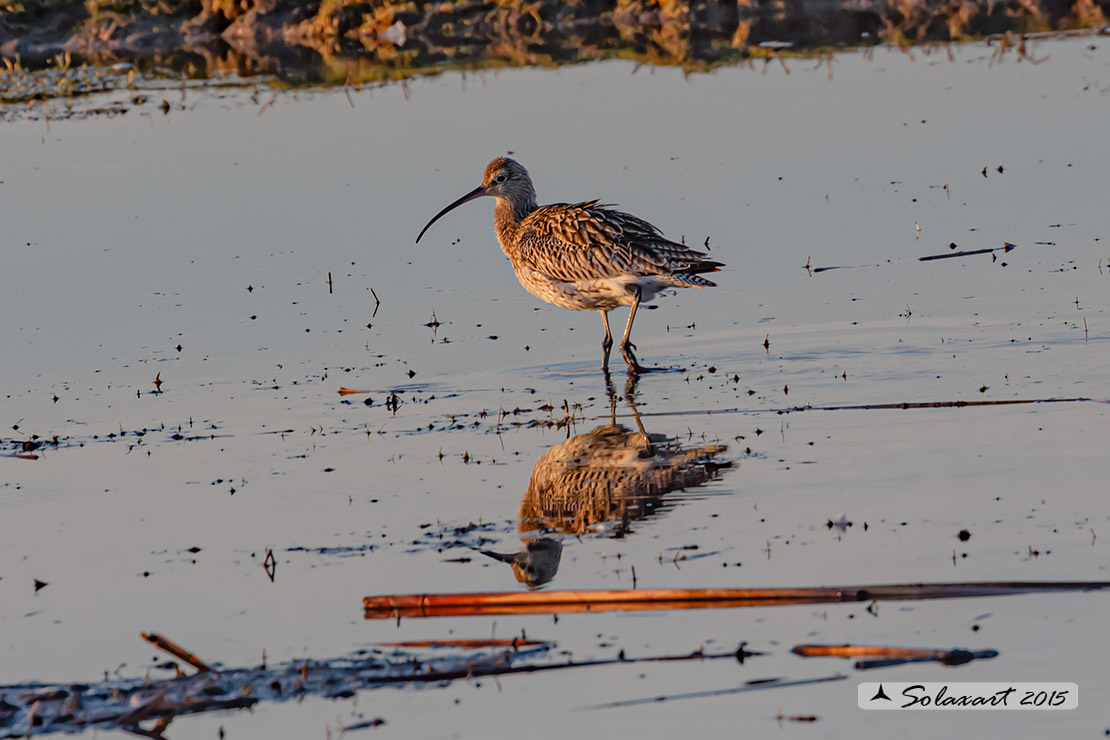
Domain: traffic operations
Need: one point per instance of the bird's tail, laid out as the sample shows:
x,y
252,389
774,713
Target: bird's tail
x,y
703,266
687,280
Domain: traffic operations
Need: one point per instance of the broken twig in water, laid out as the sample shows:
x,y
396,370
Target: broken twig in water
x,y
882,657
557,602
758,685
1004,248
175,650
498,667
927,258
447,642
270,565
839,267
869,407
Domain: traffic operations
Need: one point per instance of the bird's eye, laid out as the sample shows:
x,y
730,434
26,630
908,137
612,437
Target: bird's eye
x,y
499,178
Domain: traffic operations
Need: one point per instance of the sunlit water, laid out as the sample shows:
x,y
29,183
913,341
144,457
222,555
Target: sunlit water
x,y
216,230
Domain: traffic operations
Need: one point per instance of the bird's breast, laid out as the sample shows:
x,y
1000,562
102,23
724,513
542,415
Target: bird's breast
x,y
596,294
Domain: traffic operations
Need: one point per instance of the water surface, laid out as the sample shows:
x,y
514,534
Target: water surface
x,y
215,229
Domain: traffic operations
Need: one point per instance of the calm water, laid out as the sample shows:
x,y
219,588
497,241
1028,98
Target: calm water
x,y
216,229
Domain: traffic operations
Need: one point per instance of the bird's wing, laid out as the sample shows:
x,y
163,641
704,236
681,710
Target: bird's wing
x,y
582,241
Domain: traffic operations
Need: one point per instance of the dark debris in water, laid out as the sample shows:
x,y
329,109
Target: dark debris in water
x,y
146,706
128,704
134,438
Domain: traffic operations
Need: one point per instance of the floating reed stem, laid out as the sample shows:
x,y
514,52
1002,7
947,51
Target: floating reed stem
x,y
175,650
556,602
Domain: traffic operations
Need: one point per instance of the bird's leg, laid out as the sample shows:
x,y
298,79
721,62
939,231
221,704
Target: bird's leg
x,y
630,397
626,345
612,399
607,342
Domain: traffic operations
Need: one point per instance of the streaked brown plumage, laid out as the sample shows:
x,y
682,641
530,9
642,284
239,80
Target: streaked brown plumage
x,y
584,256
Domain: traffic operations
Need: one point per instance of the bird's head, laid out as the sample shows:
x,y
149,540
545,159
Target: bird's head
x,y
536,564
507,178
504,178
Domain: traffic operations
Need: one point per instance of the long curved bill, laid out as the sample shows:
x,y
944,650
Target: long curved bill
x,y
477,192
504,557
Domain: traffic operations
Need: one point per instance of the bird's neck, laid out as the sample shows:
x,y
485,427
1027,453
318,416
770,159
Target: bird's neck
x,y
507,217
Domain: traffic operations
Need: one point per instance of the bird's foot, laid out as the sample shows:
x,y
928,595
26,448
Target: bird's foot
x,y
634,367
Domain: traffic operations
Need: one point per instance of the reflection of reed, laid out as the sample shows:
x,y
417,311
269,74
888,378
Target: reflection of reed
x,y
601,480
396,40
352,41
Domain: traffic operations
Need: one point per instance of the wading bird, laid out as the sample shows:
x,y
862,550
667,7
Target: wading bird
x,y
584,256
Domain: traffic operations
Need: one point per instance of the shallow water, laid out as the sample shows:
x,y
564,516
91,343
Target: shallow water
x,y
216,229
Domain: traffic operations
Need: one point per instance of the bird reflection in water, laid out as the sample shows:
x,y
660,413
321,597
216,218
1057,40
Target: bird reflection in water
x,y
536,564
600,482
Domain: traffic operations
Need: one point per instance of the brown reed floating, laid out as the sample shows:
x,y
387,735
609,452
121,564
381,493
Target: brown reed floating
x,y
862,651
516,642
171,647
878,656
560,602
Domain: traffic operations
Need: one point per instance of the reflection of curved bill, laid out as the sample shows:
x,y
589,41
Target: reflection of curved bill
x,y
601,481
